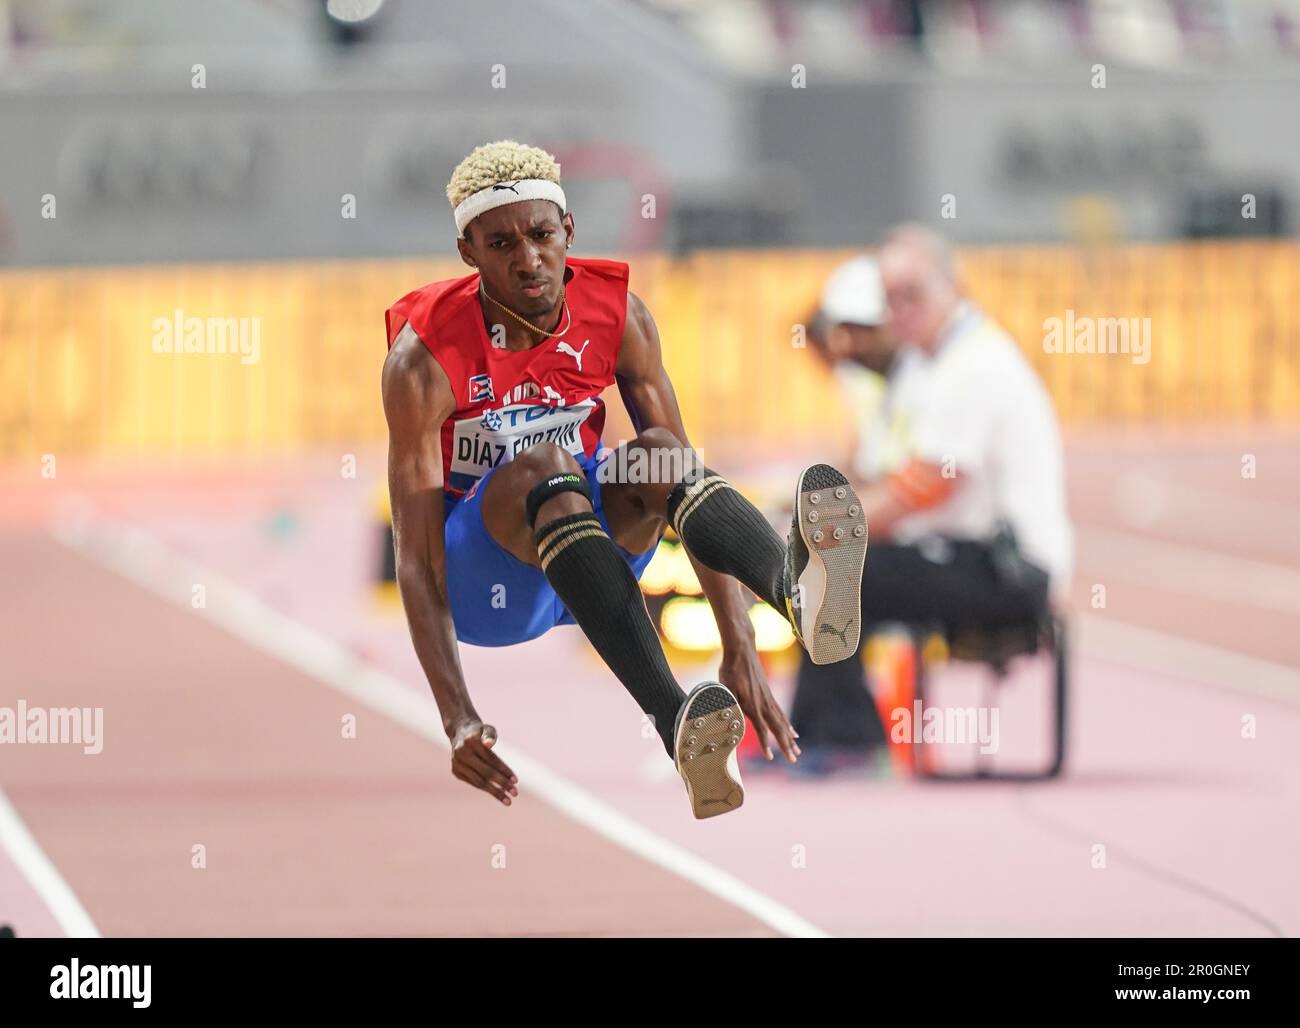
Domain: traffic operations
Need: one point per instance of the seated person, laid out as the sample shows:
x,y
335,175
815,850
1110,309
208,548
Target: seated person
x,y
970,530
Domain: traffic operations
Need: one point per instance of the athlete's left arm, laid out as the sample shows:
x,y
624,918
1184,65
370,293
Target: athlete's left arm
x,y
651,402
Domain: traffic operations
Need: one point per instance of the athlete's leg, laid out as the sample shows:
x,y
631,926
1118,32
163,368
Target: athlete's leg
x,y
814,580
587,571
634,488
724,531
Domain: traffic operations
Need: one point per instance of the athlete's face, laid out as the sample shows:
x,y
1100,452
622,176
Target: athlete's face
x,y
519,250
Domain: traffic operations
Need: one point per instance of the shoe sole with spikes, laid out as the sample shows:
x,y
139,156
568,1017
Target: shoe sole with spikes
x,y
709,728
828,549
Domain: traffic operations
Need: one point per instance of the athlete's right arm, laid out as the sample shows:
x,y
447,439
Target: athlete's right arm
x,y
417,400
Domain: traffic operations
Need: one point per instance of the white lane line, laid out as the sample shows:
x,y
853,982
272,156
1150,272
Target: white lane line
x,y
170,575
44,878
1149,650
1193,570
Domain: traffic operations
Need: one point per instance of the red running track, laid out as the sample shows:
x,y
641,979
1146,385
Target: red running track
x,y
210,740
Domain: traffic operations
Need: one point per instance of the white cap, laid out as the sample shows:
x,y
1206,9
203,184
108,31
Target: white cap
x,y
854,294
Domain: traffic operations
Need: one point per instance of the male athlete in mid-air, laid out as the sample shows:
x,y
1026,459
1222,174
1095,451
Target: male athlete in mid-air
x,y
505,525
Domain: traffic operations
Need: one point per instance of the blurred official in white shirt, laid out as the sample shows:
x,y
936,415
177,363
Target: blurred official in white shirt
x,y
967,526
986,447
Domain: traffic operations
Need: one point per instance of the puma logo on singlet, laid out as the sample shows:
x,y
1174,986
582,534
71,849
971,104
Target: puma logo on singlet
x,y
506,185
563,347
828,627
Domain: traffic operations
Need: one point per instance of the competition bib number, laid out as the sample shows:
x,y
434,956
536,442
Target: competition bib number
x,y
481,443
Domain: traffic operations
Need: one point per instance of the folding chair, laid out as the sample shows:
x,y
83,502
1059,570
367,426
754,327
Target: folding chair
x,y
996,649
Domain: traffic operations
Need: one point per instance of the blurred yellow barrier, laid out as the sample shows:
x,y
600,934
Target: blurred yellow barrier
x,y
144,360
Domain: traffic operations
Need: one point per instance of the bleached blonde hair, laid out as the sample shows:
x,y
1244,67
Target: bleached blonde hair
x,y
502,161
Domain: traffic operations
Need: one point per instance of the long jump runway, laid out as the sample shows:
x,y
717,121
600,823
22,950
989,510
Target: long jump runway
x,y
210,742
229,797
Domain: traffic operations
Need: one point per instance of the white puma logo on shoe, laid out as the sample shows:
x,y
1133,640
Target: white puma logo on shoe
x,y
563,347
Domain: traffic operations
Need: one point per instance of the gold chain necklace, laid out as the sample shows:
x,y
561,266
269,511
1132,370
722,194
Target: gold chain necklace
x,y
528,324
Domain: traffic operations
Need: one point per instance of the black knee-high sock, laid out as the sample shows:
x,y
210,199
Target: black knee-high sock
x,y
588,573
726,532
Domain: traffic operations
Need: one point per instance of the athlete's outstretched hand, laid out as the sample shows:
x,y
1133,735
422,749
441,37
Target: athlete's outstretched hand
x,y
743,675
473,761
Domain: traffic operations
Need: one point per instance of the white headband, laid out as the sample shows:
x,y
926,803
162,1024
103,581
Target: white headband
x,y
506,192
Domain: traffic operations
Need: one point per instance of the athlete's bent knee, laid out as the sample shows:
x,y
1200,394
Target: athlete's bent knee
x,y
670,460
552,486
658,439
545,459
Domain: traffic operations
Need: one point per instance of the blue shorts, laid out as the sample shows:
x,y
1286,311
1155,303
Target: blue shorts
x,y
497,599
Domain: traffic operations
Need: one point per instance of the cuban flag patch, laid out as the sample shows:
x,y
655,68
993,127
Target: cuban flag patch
x,y
480,388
